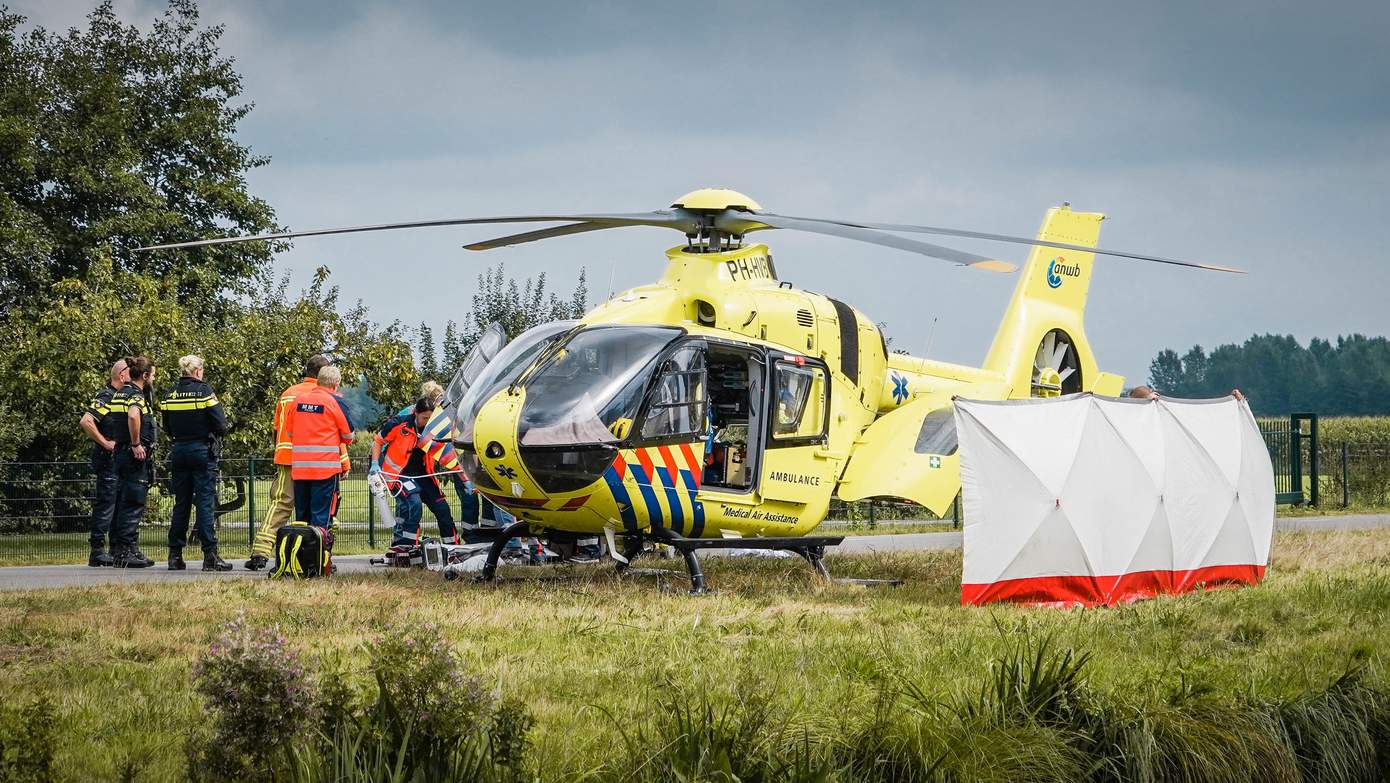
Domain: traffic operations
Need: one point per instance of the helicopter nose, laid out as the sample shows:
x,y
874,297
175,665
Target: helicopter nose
x,y
501,471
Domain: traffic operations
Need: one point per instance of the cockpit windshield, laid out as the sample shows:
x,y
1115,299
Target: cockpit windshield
x,y
588,392
503,370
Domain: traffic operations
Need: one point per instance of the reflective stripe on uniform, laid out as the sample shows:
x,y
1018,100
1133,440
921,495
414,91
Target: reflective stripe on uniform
x,y
188,403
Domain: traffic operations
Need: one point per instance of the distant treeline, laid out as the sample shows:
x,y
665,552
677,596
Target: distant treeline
x,y
1350,377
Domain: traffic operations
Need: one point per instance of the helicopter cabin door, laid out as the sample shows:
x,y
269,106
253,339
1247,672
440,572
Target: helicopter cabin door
x,y
795,466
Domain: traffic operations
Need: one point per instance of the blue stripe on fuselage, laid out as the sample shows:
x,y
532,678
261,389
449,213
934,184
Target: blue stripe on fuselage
x,y
644,484
615,485
697,525
674,500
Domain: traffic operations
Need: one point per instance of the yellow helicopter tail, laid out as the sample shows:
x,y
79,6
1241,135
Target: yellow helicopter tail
x,y
1042,335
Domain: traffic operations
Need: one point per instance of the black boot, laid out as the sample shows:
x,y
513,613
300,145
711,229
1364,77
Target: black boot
x,y
99,557
257,562
131,557
176,559
213,562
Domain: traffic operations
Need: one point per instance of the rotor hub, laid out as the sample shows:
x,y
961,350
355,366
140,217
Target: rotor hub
x,y
716,200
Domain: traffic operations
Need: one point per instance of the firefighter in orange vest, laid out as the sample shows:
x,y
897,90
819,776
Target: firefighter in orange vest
x,y
281,508
398,453
319,428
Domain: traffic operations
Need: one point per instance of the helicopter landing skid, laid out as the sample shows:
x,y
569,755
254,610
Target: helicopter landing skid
x,y
516,529
811,548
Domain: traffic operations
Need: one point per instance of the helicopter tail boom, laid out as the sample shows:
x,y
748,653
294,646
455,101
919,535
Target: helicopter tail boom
x,y
1042,336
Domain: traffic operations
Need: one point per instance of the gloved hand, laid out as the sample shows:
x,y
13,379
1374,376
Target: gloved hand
x,y
374,469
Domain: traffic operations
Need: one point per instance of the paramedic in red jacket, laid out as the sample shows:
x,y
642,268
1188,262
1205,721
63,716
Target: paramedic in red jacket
x,y
408,470
318,428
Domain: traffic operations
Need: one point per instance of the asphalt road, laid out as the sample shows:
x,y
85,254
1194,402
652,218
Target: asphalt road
x,y
39,577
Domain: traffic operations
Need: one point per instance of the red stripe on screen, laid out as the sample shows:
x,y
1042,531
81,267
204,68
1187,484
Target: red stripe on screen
x,y
1107,590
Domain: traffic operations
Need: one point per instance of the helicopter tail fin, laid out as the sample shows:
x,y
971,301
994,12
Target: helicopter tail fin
x,y
1051,295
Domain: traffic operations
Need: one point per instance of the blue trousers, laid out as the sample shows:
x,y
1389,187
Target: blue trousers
x,y
316,501
468,501
415,495
192,475
104,501
133,486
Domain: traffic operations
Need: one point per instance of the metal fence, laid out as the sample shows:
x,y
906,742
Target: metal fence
x,y
45,506
45,510
1355,473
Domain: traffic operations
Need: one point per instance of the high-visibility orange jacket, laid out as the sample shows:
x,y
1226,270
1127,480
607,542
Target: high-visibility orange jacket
x,y
317,432
399,437
283,408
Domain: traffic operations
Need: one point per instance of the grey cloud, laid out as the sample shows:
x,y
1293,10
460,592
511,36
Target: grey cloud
x,y
1246,133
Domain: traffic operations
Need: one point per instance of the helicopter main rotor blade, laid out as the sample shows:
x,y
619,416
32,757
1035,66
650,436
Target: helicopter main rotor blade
x,y
532,236
954,232
741,222
677,219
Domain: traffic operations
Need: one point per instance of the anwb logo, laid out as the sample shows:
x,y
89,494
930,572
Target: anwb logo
x,y
1055,270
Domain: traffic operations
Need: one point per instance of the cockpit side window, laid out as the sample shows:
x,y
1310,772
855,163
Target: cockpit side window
x,y
677,404
587,390
800,403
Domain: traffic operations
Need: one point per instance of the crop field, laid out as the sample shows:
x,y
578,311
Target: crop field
x,y
631,679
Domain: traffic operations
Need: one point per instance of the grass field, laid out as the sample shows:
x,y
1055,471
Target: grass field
x,y
593,654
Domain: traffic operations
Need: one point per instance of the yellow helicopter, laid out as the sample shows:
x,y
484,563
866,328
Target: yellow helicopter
x,y
720,407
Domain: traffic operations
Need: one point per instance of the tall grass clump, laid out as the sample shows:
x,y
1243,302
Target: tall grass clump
x,y
1341,732
693,735
423,718
1035,716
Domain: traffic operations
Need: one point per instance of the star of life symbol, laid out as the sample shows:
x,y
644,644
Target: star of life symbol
x,y
506,472
900,393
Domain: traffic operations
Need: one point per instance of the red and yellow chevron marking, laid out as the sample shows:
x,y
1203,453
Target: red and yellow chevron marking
x,y
656,486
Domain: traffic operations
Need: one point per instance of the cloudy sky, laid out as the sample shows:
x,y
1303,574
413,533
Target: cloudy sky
x,y
1255,134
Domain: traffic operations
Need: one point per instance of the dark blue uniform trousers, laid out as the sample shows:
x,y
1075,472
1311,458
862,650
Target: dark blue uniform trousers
x,y
192,476
104,501
468,501
415,495
316,501
133,477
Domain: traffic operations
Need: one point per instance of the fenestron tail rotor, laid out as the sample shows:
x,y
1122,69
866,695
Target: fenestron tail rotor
x,y
1054,364
712,220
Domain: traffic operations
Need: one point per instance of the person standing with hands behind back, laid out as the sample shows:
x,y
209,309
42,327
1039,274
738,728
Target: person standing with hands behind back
x,y
134,463
97,422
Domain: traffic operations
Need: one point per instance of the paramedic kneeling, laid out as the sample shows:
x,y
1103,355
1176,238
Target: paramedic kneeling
x,y
317,428
408,471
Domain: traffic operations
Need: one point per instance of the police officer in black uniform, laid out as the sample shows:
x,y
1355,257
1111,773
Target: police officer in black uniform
x,y
94,422
195,420
133,430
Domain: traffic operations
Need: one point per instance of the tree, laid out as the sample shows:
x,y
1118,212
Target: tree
x,y
1166,373
426,362
111,139
452,356
517,306
1194,370
59,351
1280,376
